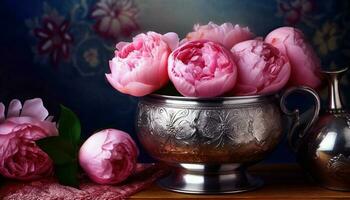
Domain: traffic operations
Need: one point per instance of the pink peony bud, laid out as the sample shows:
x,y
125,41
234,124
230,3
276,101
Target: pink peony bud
x,y
225,34
140,67
262,68
108,156
20,157
202,69
304,62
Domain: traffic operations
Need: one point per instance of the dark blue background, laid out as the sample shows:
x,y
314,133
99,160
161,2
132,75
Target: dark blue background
x,y
72,81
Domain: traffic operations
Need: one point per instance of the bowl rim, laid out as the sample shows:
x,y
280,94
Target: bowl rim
x,y
206,99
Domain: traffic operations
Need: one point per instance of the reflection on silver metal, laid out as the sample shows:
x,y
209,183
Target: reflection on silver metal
x,y
324,151
209,142
213,179
335,102
328,142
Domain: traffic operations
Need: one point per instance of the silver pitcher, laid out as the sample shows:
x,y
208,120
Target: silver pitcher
x,y
323,145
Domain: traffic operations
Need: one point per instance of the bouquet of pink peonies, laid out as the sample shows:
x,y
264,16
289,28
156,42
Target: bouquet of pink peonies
x,y
214,60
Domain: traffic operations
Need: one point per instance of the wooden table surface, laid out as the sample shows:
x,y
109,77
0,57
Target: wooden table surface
x,y
286,181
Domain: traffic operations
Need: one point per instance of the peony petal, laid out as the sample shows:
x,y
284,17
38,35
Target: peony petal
x,y
156,68
132,88
48,128
34,108
14,108
149,76
120,45
280,82
304,71
215,87
185,88
245,90
236,36
113,66
8,147
115,83
172,39
7,127
225,34
140,89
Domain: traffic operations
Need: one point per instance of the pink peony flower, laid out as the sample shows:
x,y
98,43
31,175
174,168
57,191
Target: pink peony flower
x,y
304,62
20,157
109,156
140,67
225,34
262,68
202,69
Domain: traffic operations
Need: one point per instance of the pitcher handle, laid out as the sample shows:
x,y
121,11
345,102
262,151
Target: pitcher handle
x,y
295,115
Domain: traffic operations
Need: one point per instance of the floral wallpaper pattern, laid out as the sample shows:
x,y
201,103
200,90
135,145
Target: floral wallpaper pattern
x,y
59,50
295,11
115,17
95,28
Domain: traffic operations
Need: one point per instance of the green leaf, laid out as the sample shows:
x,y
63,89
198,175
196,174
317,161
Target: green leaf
x,y
63,149
59,150
67,174
69,126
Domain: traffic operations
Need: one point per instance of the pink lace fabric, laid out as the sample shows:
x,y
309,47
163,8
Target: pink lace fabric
x,y
50,189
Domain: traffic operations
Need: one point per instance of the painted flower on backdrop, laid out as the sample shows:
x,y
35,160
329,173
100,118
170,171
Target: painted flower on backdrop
x,y
115,18
91,57
54,39
295,11
326,39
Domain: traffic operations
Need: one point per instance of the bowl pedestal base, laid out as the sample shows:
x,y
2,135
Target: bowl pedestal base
x,y
209,179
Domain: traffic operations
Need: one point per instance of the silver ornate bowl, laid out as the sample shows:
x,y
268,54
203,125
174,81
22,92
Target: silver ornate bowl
x,y
209,142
